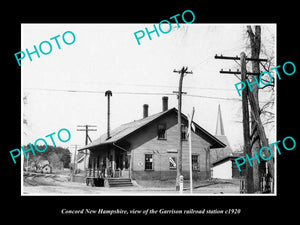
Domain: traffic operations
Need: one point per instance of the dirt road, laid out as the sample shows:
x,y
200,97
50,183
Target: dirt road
x,y
39,184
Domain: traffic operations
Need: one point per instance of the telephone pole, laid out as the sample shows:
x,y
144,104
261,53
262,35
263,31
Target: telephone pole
x,y
248,96
190,149
87,137
74,160
86,129
182,73
246,129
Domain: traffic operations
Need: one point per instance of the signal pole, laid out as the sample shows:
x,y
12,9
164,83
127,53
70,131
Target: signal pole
x,y
182,73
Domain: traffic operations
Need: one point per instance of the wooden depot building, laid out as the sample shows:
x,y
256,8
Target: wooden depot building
x,y
146,149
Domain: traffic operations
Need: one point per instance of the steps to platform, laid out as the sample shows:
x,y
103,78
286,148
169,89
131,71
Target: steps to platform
x,y
119,182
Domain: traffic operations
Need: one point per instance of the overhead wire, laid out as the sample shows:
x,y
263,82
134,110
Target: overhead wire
x,y
133,93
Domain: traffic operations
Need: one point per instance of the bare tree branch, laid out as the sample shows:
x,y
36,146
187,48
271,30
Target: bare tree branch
x,y
268,122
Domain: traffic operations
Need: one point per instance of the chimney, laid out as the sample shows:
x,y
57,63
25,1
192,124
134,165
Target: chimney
x,y
145,111
164,103
108,94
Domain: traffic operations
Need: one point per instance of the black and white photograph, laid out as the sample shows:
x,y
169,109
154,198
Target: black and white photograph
x,y
128,114
121,104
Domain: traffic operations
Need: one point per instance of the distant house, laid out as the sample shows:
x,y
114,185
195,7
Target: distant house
x,y
226,168
147,148
80,161
222,159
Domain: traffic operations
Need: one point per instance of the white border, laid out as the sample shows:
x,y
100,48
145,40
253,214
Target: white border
x,y
160,194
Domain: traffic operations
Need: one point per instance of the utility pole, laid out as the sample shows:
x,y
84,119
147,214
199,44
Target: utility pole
x,y
246,129
182,73
251,177
87,137
86,129
74,161
190,149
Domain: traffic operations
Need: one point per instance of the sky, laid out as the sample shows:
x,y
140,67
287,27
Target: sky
x,y
107,57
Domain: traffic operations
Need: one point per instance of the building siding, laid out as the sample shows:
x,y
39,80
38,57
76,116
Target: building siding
x,y
146,142
223,170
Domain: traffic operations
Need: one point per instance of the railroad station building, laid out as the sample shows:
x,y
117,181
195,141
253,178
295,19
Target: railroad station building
x,y
146,149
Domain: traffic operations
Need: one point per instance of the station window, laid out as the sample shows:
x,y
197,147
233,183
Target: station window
x,y
161,132
195,162
184,132
172,163
148,162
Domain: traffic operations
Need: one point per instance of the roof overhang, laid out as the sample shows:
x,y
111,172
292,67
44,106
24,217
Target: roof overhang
x,y
93,145
214,142
225,159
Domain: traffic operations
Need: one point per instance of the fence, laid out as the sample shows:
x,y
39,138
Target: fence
x,y
266,185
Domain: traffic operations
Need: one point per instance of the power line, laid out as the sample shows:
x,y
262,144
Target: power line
x,y
138,93
220,98
140,85
65,90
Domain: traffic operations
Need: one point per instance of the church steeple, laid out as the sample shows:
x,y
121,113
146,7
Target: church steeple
x,y
219,128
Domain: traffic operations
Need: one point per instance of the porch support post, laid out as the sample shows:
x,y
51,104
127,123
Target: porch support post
x,y
123,160
131,164
93,164
113,165
107,164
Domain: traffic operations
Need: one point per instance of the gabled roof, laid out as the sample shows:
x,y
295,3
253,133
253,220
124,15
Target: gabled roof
x,y
79,157
126,129
231,157
218,153
225,159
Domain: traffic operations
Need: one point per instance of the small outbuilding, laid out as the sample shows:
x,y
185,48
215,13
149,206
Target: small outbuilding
x,y
226,168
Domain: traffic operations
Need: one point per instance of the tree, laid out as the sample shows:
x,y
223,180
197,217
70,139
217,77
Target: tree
x,y
256,142
57,156
54,160
255,43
